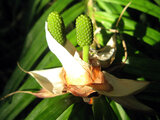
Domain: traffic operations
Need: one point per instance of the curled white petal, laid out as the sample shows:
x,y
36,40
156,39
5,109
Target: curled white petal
x,y
123,87
72,67
50,79
109,50
107,54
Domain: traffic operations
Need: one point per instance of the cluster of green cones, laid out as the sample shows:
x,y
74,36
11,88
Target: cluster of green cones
x,y
84,31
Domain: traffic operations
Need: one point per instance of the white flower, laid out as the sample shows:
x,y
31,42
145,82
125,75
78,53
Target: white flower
x,y
76,72
80,78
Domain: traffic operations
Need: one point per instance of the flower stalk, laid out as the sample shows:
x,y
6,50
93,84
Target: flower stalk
x,y
86,54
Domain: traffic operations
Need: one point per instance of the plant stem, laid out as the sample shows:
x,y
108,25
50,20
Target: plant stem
x,y
86,54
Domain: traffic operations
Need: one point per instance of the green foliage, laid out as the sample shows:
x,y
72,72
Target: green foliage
x,y
142,36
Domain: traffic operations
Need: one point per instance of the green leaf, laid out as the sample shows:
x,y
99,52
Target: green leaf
x,y
157,1
72,37
151,36
41,5
71,13
31,11
142,5
144,67
81,111
102,110
119,111
20,101
111,7
51,108
65,115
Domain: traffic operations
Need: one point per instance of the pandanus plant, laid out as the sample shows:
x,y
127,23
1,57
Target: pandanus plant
x,y
83,76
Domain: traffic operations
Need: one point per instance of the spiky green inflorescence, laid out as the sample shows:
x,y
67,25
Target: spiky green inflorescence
x,y
84,30
56,27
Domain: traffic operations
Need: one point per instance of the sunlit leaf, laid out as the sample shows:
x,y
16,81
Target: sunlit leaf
x,y
52,108
149,7
119,111
130,26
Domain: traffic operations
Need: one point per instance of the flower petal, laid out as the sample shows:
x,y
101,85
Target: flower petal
x,y
43,93
107,55
122,87
75,73
50,79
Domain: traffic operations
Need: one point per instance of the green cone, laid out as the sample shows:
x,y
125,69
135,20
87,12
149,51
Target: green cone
x,y
84,30
56,27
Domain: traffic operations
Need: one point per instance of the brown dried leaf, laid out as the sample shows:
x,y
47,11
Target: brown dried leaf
x,y
43,93
81,91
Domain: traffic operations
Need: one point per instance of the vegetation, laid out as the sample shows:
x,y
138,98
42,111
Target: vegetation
x,y
22,35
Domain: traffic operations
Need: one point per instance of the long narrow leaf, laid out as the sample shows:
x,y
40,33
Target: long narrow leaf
x,y
33,50
120,112
142,5
151,35
65,115
102,110
51,108
145,67
111,7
